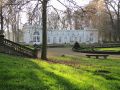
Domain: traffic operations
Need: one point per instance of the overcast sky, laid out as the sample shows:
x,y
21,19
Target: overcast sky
x,y
56,4
59,6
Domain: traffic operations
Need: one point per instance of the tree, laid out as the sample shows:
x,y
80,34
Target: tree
x,y
53,20
16,6
100,18
76,46
78,16
113,10
1,16
44,30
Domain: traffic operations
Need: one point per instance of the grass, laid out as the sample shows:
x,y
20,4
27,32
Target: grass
x,y
17,73
115,49
30,46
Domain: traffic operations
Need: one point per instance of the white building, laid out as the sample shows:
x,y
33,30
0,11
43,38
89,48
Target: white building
x,y
33,35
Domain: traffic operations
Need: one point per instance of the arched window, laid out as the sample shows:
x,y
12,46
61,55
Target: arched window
x,y
36,36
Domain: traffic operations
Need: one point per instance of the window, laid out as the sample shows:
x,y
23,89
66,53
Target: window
x,y
34,39
54,40
36,36
48,40
65,38
91,37
71,39
91,34
75,38
36,33
38,39
60,39
79,39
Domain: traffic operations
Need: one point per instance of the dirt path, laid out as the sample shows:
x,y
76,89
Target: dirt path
x,y
61,51
68,51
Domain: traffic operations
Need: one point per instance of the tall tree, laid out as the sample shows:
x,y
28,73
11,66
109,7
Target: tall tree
x,y
44,30
113,8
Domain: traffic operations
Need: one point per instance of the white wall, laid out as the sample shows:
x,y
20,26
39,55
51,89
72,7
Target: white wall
x,y
66,36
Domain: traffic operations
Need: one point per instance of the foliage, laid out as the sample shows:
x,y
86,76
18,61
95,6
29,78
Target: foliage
x,y
18,73
76,46
82,47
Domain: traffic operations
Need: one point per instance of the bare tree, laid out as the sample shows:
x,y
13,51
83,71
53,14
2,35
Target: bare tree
x,y
113,8
44,30
16,6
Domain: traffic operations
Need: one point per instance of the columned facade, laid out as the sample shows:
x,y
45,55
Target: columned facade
x,y
33,35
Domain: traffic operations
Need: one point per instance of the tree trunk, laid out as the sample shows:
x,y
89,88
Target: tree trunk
x,y
8,32
1,16
44,30
17,28
117,11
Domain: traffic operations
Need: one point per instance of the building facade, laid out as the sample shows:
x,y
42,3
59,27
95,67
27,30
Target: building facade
x,y
33,35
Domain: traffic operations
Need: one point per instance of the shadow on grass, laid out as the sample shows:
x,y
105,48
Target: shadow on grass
x,y
16,74
106,75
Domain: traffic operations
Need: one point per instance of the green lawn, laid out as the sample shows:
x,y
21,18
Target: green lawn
x,y
75,73
109,49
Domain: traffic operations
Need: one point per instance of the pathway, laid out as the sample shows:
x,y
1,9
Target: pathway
x,y
68,51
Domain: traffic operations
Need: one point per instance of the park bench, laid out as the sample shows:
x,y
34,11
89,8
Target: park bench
x,y
97,56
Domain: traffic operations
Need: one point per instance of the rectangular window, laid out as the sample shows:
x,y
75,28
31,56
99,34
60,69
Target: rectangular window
x,y
60,39
48,40
38,39
34,39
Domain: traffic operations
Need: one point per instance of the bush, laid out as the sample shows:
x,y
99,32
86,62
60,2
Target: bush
x,y
76,46
36,46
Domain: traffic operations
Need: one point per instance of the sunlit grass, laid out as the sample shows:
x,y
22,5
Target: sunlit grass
x,y
18,73
109,49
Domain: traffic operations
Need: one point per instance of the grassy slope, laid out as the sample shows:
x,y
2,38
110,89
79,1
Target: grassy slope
x,y
109,49
24,74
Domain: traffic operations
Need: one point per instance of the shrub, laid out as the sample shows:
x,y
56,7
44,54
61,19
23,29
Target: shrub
x,y
36,46
76,46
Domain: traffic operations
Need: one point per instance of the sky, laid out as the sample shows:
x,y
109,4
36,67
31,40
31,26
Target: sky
x,y
57,5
